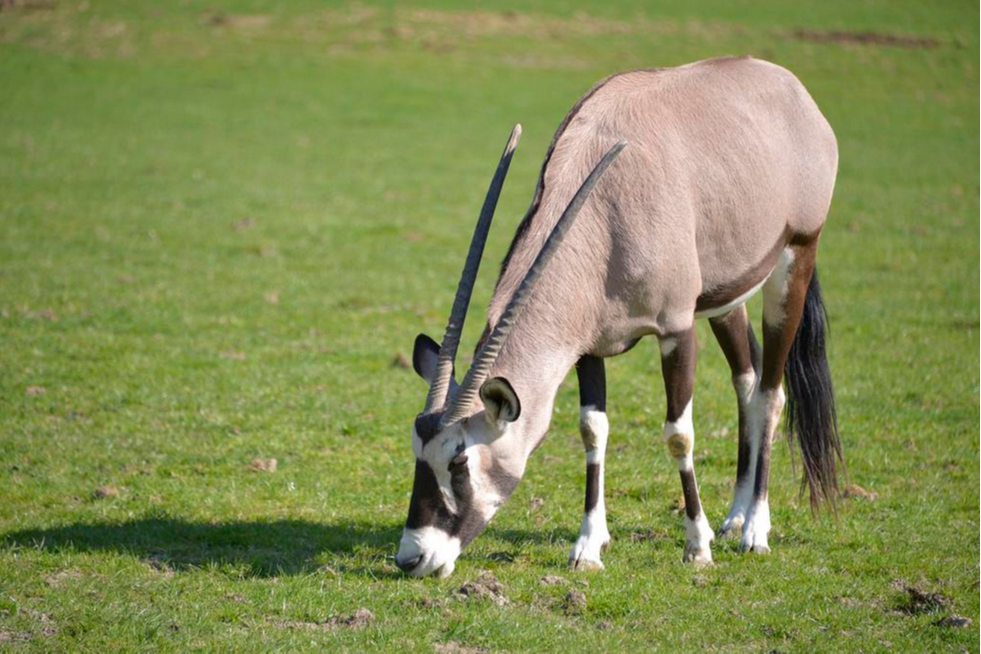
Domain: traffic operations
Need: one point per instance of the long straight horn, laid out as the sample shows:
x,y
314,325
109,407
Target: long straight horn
x,y
460,403
454,327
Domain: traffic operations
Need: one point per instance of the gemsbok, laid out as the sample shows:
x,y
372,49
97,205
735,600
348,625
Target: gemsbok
x,y
666,195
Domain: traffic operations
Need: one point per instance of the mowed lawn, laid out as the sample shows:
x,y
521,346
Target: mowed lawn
x,y
223,223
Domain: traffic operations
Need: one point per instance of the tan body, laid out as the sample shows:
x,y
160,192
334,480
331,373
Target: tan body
x,y
729,161
704,184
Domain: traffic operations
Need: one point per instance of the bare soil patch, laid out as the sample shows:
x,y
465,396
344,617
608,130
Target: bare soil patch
x,y
104,492
865,38
59,578
264,465
456,648
574,602
953,621
919,601
854,491
357,620
237,21
14,636
486,586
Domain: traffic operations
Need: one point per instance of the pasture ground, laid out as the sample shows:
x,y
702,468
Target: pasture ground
x,y
222,224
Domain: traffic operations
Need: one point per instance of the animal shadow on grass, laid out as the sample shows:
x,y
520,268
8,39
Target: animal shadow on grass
x,y
258,548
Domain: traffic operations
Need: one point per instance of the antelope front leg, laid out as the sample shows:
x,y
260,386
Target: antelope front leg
x,y
594,429
678,353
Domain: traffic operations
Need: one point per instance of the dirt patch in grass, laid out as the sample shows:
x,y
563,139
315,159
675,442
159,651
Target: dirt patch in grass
x,y
474,24
59,578
486,586
27,5
357,620
953,622
356,29
264,465
574,602
237,21
456,648
865,38
159,565
105,492
470,25
854,491
47,626
648,535
7,636
918,601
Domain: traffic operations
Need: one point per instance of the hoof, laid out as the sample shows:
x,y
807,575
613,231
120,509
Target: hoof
x,y
697,556
731,527
586,564
758,548
754,542
585,554
756,529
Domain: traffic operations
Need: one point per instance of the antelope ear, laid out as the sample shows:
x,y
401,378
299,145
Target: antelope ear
x,y
424,356
500,400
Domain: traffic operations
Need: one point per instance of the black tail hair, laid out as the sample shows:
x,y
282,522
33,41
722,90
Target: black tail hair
x,y
811,414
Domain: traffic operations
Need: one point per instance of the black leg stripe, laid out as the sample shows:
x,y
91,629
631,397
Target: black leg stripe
x,y
592,382
742,465
688,486
592,486
762,470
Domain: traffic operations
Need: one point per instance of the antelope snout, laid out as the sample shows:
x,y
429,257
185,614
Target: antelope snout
x,y
408,565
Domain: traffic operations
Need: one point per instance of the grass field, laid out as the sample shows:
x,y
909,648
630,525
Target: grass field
x,y
222,222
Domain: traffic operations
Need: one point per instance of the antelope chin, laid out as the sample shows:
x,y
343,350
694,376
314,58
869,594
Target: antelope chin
x,y
436,550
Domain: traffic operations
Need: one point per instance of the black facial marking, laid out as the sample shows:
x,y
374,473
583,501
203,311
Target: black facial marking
x,y
690,489
592,382
592,486
427,426
426,508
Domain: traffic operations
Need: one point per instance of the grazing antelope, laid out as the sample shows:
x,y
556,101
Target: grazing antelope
x,y
716,181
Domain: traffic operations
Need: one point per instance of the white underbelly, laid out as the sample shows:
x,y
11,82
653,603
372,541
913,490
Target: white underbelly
x,y
742,299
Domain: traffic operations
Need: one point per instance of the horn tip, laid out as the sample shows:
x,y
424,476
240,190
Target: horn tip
x,y
515,136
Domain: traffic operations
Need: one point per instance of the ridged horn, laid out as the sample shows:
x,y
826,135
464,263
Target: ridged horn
x,y
461,402
454,327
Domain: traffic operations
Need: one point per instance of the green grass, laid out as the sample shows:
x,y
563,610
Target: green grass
x,y
149,345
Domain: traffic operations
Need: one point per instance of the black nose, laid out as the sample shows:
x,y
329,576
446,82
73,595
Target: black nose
x,y
409,564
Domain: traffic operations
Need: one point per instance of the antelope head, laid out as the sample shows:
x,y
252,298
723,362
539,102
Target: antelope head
x,y
464,441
